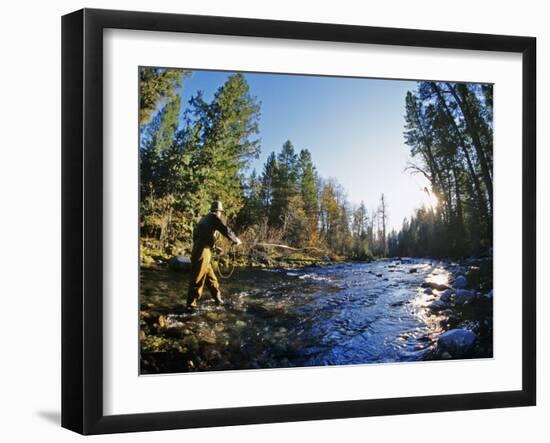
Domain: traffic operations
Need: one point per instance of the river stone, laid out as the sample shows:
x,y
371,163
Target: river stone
x,y
447,295
260,257
457,342
460,282
464,296
438,305
191,342
176,332
433,285
428,291
260,311
412,270
208,338
161,321
180,263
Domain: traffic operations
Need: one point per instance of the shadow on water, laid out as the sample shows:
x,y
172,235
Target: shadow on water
x,y
348,313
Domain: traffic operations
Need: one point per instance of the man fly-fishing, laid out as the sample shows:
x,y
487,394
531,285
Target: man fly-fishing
x,y
204,238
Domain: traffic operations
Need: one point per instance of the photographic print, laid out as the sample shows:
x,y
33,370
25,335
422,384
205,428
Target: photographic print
x,y
292,220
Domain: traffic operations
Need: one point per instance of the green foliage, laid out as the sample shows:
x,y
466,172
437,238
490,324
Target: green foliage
x,y
191,156
309,192
268,183
360,232
253,210
156,85
225,143
183,170
285,184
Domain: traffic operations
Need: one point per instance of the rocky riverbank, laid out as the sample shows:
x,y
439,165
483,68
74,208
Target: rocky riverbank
x,y
466,303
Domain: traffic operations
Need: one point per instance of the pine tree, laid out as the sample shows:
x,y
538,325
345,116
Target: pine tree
x,y
360,233
226,143
185,164
285,183
267,180
156,171
309,192
253,210
156,85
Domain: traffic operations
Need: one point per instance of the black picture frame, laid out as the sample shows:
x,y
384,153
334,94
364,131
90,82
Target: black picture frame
x,y
82,215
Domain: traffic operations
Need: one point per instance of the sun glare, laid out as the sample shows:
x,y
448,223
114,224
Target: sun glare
x,y
434,202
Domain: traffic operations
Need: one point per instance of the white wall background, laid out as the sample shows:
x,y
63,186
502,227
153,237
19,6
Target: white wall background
x,y
30,218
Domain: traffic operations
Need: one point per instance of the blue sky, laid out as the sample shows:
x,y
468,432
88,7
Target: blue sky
x,y
352,127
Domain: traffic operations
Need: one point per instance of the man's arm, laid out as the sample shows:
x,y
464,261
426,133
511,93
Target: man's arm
x,y
226,231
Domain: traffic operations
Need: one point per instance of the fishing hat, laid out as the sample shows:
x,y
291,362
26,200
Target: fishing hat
x,y
216,206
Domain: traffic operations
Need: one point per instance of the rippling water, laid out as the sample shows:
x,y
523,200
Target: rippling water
x,y
348,313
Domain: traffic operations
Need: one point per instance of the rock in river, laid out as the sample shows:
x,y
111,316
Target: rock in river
x,y
447,295
180,263
457,342
460,282
434,285
438,305
464,296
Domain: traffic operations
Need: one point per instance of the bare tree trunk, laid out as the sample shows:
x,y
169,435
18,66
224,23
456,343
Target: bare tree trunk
x,y
435,178
470,127
383,219
462,144
459,218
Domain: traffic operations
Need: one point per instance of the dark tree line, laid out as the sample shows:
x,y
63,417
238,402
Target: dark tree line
x,y
449,129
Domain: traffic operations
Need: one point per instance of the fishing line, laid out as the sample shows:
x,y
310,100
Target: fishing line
x,y
232,260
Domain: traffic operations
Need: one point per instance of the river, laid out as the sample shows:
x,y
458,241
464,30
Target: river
x,y
347,313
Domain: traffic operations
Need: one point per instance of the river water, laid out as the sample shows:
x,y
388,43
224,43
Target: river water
x,y
348,313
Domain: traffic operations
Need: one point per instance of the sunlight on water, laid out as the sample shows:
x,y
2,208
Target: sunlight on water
x,y
439,276
425,297
350,313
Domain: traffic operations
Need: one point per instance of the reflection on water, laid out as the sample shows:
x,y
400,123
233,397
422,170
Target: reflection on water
x,y
348,313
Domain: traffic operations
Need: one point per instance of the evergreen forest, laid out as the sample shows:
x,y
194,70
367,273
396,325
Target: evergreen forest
x,y
203,150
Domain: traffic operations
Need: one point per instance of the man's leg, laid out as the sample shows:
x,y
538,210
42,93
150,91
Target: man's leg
x,y
199,267
213,284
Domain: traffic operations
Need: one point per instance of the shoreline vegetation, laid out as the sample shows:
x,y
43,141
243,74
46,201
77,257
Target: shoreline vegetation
x,y
259,255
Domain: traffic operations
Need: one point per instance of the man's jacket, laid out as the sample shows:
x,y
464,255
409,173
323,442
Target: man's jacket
x,y
204,234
